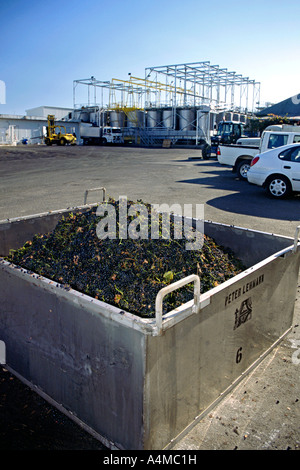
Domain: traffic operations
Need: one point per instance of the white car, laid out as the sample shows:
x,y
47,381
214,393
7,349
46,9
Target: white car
x,y
277,170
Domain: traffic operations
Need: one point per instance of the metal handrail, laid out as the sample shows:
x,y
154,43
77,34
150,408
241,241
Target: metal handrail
x,y
94,189
296,238
170,288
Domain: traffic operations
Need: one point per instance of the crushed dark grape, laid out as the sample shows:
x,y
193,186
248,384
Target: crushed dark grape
x,y
127,273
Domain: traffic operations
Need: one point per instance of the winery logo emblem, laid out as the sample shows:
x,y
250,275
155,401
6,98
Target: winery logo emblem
x,y
295,99
244,313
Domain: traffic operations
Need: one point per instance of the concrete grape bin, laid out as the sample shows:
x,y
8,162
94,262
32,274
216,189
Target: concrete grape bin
x,y
141,383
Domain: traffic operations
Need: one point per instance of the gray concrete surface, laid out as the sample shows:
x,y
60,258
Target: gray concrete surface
x,y
37,179
263,411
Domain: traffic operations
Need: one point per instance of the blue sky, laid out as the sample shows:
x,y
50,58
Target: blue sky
x,y
45,45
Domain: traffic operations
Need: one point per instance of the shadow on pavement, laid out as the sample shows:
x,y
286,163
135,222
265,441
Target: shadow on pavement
x,y
243,198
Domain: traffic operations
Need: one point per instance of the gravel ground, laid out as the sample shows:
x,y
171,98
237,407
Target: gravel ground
x,y
28,422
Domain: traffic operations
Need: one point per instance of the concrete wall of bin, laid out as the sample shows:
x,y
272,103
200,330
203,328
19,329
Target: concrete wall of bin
x,y
132,385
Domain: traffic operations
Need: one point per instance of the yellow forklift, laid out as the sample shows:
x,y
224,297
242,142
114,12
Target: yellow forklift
x,y
57,134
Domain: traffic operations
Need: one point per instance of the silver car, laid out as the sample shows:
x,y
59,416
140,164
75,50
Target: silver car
x,y
277,170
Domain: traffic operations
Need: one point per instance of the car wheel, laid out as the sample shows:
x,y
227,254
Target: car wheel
x,y
278,186
242,169
62,142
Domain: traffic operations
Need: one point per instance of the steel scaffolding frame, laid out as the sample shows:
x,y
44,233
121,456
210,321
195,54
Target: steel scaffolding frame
x,y
204,83
191,84
131,92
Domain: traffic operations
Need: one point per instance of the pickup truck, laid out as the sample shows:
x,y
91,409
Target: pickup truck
x,y
239,155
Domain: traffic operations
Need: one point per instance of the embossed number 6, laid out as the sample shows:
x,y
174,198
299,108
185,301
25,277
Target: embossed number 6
x,y
238,357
